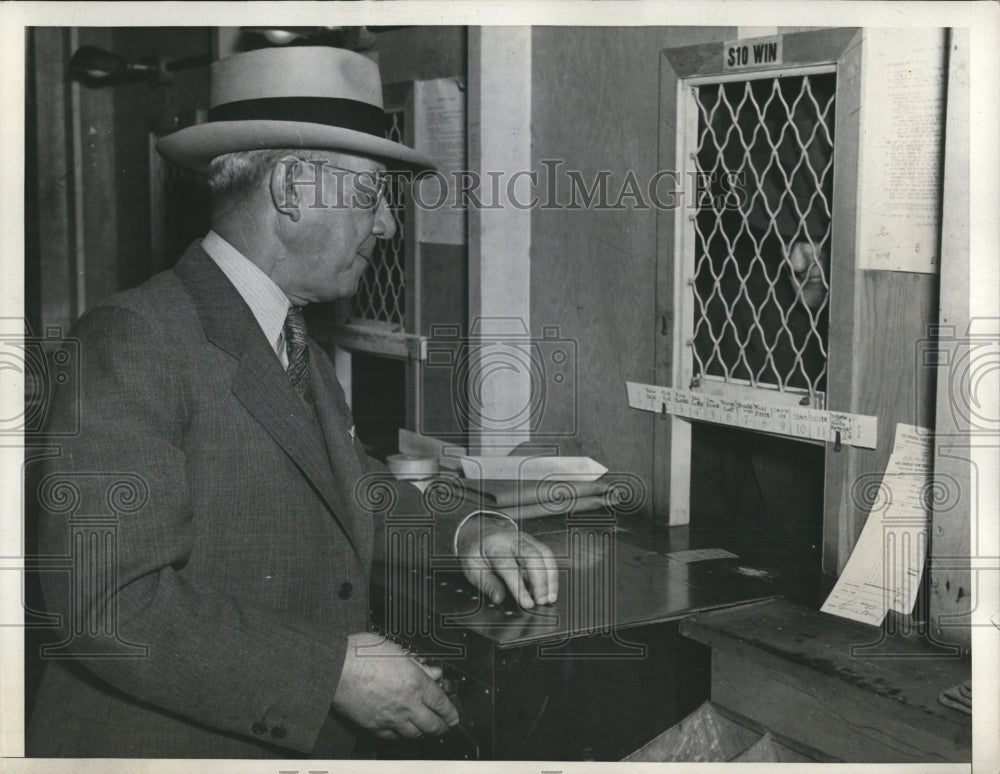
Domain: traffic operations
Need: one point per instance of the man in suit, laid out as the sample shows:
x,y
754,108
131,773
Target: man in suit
x,y
230,619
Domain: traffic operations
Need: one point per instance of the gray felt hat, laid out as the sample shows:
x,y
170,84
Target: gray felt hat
x,y
298,97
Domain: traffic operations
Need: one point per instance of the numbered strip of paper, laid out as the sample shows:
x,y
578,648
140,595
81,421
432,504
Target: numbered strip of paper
x,y
814,424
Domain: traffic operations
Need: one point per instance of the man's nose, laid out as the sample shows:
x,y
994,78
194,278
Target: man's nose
x,y
385,224
802,257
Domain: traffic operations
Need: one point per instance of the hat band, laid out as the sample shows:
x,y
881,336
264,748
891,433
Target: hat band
x,y
331,111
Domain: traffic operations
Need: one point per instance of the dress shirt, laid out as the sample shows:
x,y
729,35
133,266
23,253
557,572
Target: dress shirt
x,y
265,299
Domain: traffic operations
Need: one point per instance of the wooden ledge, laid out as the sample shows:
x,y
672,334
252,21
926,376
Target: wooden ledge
x,y
836,685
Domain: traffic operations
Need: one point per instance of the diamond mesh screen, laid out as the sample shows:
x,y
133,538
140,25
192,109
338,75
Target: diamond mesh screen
x,y
381,292
761,258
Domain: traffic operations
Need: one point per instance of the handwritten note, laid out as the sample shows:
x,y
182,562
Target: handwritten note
x,y
884,570
903,120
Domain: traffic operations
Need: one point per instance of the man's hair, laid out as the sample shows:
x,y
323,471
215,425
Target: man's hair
x,y
233,177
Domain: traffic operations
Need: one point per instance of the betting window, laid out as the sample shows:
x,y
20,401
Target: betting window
x,y
757,265
757,269
379,333
381,296
381,317
416,280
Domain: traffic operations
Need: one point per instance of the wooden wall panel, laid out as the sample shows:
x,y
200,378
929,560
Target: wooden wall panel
x,y
878,319
139,110
97,204
500,126
595,107
49,170
92,163
421,53
893,310
445,303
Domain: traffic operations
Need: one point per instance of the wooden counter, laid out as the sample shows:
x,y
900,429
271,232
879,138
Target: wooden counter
x,y
835,685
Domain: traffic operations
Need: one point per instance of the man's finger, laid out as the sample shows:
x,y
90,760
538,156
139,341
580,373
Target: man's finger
x,y
409,730
533,567
511,575
433,672
552,572
539,564
436,700
487,582
428,722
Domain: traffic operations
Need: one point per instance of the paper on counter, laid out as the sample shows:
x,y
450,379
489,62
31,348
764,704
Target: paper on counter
x,y
552,508
532,468
502,494
701,555
412,467
448,454
886,565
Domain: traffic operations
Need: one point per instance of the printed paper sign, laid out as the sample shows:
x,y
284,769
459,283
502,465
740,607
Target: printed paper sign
x,y
814,424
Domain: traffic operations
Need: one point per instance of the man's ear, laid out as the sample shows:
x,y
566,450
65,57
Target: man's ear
x,y
284,193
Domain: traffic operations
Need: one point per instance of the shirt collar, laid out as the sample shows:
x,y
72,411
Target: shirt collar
x,y
265,299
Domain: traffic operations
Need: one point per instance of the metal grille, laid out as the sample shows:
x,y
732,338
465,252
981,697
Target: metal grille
x,y
764,159
381,292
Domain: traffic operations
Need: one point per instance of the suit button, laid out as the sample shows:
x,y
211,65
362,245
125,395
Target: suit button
x,y
345,590
278,732
258,728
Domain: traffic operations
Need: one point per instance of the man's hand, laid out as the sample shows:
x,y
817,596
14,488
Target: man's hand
x,y
495,555
388,692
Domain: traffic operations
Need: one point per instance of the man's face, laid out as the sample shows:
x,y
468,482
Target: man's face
x,y
811,274
332,242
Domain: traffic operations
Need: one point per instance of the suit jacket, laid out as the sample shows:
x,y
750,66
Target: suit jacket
x,y
238,556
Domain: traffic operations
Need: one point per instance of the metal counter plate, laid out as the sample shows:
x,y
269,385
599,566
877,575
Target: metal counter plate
x,y
611,578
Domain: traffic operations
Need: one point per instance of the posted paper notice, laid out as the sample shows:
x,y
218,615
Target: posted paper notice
x,y
884,570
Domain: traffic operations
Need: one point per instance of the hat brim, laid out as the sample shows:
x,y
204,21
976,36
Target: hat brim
x,y
196,146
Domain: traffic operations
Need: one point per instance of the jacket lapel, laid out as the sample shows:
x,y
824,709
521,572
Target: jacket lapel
x,y
260,383
337,424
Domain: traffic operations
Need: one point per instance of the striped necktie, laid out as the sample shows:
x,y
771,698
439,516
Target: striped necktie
x,y
297,350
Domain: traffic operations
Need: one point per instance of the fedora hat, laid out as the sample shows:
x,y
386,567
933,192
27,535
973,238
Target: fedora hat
x,y
314,97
